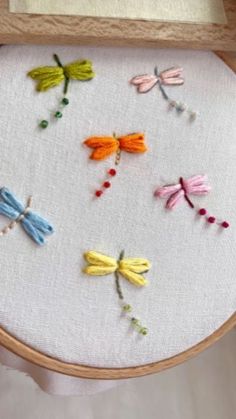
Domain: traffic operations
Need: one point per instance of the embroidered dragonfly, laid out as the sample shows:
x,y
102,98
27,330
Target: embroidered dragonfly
x,y
195,185
51,76
34,225
169,77
103,147
130,268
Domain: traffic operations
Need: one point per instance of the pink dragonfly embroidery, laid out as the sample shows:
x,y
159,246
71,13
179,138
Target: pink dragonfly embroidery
x,y
169,77
195,185
146,82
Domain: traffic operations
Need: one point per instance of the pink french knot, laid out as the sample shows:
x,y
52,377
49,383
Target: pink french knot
x,y
195,185
169,77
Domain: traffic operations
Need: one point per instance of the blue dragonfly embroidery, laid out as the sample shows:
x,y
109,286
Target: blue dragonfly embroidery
x,y
34,225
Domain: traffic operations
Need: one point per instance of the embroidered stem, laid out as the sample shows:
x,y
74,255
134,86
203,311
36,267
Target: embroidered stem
x,y
165,96
127,308
180,107
57,59
118,155
181,181
118,286
66,85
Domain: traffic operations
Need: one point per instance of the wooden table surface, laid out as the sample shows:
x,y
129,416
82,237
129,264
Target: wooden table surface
x,y
45,29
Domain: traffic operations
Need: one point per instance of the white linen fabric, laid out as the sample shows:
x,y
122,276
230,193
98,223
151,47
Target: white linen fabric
x,y
45,299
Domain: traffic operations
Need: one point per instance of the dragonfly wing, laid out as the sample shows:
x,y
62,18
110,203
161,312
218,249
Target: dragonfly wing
x,y
47,77
197,185
172,76
80,70
171,72
196,180
173,81
144,82
143,78
8,211
148,85
103,147
166,191
174,199
35,234
133,143
200,190
39,223
11,200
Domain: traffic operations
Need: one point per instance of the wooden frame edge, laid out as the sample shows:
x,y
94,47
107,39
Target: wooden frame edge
x,y
228,58
84,371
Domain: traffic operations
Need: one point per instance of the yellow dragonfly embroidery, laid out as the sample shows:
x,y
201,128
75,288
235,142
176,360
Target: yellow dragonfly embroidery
x,y
131,269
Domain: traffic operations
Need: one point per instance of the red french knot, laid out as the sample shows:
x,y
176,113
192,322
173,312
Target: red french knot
x,y
224,224
112,172
107,184
211,220
202,211
98,193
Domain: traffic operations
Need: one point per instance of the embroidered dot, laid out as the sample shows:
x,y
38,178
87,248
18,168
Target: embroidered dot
x,y
106,184
43,124
58,115
202,211
192,115
225,224
127,308
143,331
98,193
211,220
180,107
65,101
112,172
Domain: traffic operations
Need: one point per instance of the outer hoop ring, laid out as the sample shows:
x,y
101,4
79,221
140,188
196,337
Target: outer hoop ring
x,y
84,371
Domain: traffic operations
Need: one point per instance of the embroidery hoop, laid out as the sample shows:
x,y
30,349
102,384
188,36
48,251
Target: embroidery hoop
x,y
25,351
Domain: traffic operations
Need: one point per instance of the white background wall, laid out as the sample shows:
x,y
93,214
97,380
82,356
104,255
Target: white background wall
x,y
203,388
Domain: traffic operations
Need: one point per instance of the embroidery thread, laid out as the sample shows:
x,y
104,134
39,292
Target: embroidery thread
x,y
131,269
51,76
195,185
34,225
169,77
103,147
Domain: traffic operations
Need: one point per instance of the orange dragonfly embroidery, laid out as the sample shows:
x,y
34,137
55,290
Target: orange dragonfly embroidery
x,y
104,147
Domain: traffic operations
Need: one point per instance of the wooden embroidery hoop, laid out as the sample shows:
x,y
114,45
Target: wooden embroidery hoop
x,y
149,34
84,371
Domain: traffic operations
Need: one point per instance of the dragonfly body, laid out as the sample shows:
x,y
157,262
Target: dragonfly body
x,y
34,225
